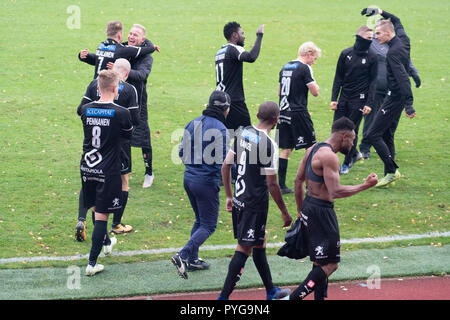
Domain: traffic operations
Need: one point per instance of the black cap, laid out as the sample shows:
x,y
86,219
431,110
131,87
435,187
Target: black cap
x,y
220,100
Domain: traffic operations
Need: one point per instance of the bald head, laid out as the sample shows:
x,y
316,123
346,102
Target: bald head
x,y
122,67
268,112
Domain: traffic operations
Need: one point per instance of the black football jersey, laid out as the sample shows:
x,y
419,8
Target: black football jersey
x,y
110,50
229,71
355,76
127,98
104,125
256,155
293,80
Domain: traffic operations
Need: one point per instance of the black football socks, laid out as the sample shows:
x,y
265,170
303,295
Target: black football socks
x,y
235,270
98,237
119,213
282,169
316,280
82,211
147,155
260,260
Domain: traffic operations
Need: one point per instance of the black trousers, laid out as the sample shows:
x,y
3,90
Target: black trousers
x,y
351,109
364,145
381,132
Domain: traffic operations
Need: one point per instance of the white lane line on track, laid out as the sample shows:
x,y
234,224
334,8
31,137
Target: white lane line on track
x,y
220,247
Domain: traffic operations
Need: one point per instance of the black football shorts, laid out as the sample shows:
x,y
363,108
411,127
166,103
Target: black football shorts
x,y
249,226
296,130
102,193
322,231
125,158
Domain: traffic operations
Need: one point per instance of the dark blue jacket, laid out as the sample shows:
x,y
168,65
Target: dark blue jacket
x,y
203,149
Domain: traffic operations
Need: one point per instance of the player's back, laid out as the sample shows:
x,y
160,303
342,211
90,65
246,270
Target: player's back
x,y
293,80
126,97
229,71
104,123
255,153
106,52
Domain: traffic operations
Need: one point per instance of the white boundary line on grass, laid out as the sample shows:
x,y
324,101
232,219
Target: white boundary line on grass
x,y
227,246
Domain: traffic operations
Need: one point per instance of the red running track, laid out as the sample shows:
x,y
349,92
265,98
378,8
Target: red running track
x,y
419,288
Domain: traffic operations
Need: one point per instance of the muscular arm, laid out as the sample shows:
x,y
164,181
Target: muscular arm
x,y
330,163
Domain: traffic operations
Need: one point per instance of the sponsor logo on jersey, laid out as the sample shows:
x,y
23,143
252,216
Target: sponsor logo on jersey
x,y
110,47
251,136
291,65
100,112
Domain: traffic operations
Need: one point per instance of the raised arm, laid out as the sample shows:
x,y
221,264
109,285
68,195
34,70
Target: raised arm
x,y
252,55
399,30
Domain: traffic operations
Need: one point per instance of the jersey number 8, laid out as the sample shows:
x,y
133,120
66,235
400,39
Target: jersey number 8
x,y
96,133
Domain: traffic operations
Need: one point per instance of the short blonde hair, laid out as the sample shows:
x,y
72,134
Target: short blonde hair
x,y
309,47
113,28
139,26
107,80
385,25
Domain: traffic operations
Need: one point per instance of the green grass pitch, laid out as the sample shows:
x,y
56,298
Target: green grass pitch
x,y
42,83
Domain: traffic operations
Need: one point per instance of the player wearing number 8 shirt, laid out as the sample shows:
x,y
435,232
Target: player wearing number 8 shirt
x,y
105,124
229,66
126,97
255,154
296,129
112,48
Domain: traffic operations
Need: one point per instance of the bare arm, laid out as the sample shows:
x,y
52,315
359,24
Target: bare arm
x,y
226,179
313,88
299,185
275,192
330,163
